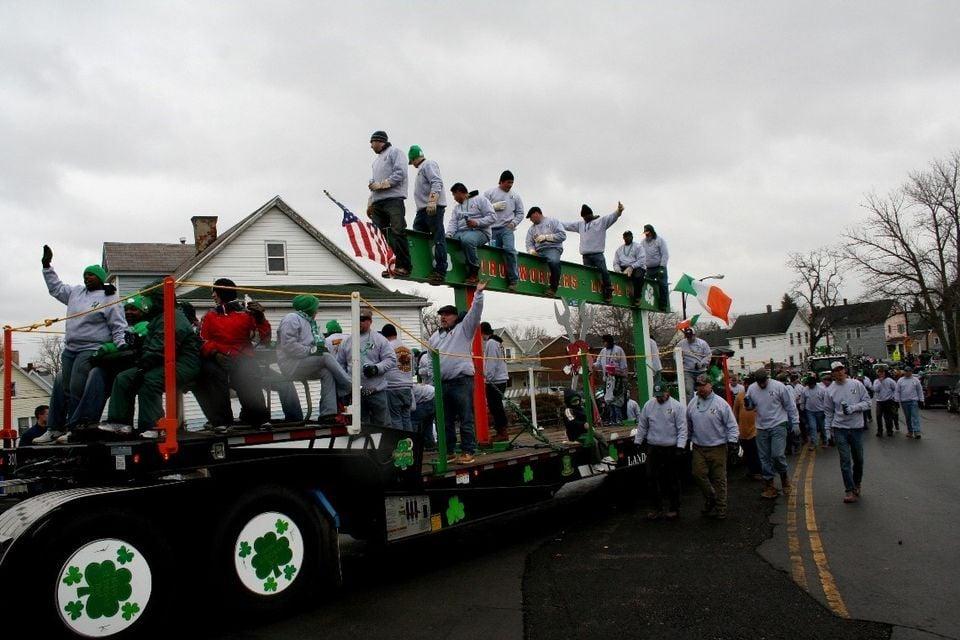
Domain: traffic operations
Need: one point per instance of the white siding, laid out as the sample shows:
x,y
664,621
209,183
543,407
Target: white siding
x,y
243,259
775,347
29,394
131,284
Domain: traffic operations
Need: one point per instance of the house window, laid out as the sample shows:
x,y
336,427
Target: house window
x,y
276,257
858,332
743,364
791,361
508,352
741,344
848,334
13,389
806,334
753,343
791,339
899,328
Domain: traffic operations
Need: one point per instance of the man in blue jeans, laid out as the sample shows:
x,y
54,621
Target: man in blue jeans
x,y
847,400
431,201
509,209
593,241
470,223
909,393
776,412
814,397
454,341
545,239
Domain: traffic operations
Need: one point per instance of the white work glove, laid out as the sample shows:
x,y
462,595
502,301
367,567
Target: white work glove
x,y
628,271
432,204
532,252
540,238
379,186
511,226
499,206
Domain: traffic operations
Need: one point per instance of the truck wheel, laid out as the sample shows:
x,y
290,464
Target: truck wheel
x,y
105,576
273,549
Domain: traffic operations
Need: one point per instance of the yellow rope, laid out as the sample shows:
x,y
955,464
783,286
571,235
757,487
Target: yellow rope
x,y
49,321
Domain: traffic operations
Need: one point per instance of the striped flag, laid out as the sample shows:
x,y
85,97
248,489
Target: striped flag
x,y
711,297
365,238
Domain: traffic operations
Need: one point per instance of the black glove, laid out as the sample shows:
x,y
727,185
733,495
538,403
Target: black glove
x,y
255,309
222,360
47,257
370,370
733,449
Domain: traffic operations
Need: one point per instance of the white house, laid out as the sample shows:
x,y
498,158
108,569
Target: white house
x,y
277,254
782,336
28,391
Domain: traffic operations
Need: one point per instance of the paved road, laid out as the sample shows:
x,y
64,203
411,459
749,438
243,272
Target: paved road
x,y
894,556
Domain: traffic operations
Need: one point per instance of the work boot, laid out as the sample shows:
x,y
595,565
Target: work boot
x,y
769,490
785,485
551,292
709,506
512,287
501,435
436,278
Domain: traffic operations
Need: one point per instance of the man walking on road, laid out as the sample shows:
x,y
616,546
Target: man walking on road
x,y
495,373
662,423
630,261
388,190
431,201
884,390
909,393
545,239
715,435
814,398
509,215
593,240
846,403
656,257
696,358
776,414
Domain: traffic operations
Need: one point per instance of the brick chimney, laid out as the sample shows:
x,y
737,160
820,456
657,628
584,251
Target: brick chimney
x,y
204,231
769,308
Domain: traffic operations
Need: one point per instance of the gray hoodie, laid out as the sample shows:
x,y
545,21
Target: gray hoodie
x,y
401,376
593,234
551,228
908,389
428,181
655,252
662,424
629,255
514,210
854,394
294,342
459,341
775,405
711,421
476,208
374,349
390,164
494,369
87,332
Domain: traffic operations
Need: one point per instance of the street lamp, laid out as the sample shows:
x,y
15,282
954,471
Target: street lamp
x,y
683,296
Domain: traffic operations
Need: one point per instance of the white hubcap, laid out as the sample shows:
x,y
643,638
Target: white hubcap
x,y
103,588
268,553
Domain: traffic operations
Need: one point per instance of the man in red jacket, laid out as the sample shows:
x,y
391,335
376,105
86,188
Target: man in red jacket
x,y
227,359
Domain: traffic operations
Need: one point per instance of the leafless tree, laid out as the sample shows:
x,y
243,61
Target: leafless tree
x,y
525,331
909,247
618,322
51,350
816,288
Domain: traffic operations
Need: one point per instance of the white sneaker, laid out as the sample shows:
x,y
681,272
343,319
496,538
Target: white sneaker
x,y
64,439
113,427
150,434
48,437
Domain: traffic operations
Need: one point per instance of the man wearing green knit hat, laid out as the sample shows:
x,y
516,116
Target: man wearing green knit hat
x,y
333,336
430,200
302,355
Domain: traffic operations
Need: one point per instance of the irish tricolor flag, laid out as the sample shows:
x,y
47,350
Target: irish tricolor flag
x,y
711,297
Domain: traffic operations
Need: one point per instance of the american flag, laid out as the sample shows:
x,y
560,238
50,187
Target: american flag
x,y
365,238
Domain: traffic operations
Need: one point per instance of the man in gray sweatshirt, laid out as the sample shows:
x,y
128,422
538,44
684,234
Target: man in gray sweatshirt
x,y
884,390
454,341
388,190
847,400
377,357
496,376
715,435
909,394
776,414
545,239
431,202
399,381
509,214
470,223
696,358
662,424
96,320
593,241
655,258
631,261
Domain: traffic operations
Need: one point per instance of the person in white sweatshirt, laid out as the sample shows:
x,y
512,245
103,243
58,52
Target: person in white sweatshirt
x,y
776,414
388,191
715,435
847,400
662,424
630,261
593,241
909,394
509,214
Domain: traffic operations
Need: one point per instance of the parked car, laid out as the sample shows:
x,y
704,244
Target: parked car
x,y
953,402
937,388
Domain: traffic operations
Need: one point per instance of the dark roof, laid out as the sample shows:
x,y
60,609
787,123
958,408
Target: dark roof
x,y
365,290
228,235
715,337
762,324
860,314
154,258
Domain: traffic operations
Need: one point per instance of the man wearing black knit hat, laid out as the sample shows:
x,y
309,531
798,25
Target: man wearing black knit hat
x,y
509,214
655,260
593,240
388,190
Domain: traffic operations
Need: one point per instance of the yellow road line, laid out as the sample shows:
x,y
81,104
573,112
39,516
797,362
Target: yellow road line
x,y
793,542
834,599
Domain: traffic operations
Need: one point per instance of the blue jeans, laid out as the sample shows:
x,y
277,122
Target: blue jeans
x,y
911,413
458,405
69,387
772,446
597,260
816,421
503,239
850,447
422,421
434,225
399,401
471,239
552,256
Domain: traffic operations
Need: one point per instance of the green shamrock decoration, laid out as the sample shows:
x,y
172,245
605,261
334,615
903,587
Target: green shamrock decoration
x,y
73,576
130,609
288,572
244,549
527,474
403,454
455,511
270,553
75,609
567,469
107,587
270,584
124,555
282,526
612,452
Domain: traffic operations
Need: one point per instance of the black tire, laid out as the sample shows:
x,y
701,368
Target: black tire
x,y
317,572
67,541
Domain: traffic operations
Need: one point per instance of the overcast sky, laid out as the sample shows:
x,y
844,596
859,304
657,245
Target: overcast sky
x,y
742,131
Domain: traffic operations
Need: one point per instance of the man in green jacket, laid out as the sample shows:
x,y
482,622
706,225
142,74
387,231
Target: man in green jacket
x,y
145,380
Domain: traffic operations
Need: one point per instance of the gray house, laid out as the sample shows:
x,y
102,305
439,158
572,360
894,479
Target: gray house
x,y
860,328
